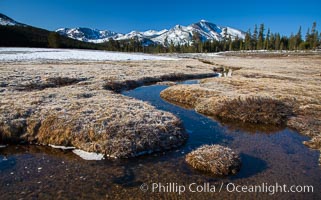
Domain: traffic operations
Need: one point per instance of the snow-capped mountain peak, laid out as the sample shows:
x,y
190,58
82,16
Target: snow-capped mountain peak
x,y
177,26
179,35
87,34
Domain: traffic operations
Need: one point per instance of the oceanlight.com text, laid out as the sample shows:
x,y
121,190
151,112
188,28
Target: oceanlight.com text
x,y
270,189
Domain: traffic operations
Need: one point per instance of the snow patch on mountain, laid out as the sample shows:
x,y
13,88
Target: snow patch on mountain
x,y
88,35
178,35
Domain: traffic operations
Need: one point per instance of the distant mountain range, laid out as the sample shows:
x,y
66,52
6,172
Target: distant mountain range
x,y
16,34
178,34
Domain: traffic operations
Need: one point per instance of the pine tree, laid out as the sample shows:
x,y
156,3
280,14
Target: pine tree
x,y
298,38
260,37
307,35
267,40
272,42
285,42
311,38
314,36
247,41
277,41
292,42
307,39
172,47
225,39
281,46
241,46
178,48
254,37
230,48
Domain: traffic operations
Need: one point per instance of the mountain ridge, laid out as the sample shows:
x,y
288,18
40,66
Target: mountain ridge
x,y
178,35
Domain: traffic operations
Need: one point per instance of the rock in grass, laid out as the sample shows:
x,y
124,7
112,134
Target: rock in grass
x,y
215,159
314,143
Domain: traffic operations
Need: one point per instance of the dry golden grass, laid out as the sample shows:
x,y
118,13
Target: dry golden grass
x,y
252,109
66,103
258,110
215,159
186,94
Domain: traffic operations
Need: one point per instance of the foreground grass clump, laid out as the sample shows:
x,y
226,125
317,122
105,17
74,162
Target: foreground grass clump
x,y
258,110
185,94
314,143
250,109
94,121
215,159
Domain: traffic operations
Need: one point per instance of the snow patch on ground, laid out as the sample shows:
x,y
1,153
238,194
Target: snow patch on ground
x,y
31,54
61,147
88,155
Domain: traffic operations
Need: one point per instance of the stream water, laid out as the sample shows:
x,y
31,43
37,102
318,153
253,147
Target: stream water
x,y
270,158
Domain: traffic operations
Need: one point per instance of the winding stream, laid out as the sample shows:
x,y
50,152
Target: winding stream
x,y
270,158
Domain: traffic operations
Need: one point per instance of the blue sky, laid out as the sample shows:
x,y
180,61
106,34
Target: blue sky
x,y
284,16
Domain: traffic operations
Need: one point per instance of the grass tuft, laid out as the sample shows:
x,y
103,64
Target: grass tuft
x,y
257,110
215,159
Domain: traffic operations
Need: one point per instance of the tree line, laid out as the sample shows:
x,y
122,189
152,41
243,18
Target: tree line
x,y
266,40
260,39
